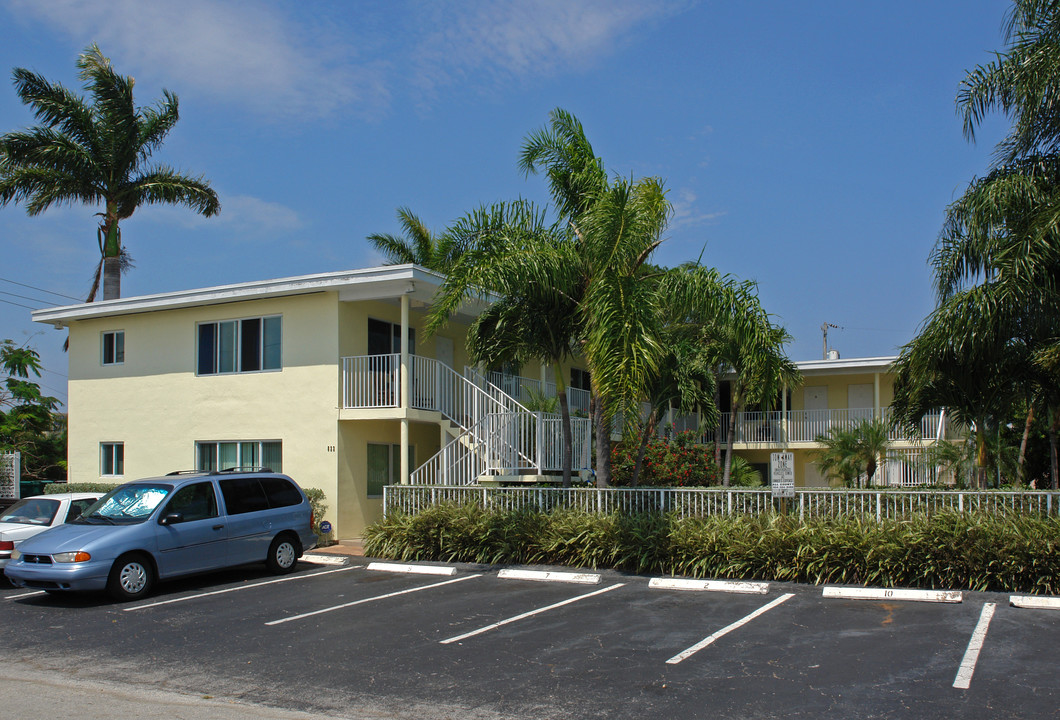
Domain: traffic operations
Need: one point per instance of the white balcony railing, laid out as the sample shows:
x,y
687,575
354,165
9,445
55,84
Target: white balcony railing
x,y
499,434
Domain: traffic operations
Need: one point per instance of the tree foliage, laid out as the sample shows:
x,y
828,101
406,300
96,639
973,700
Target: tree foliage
x,y
95,153
29,423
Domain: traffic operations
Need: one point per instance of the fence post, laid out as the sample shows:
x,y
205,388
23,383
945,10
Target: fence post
x,y
960,502
728,500
878,498
802,505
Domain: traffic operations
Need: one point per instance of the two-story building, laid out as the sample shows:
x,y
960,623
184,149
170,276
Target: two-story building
x,y
328,378
324,377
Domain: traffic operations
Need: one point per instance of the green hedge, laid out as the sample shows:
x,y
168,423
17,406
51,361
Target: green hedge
x,y
100,487
944,550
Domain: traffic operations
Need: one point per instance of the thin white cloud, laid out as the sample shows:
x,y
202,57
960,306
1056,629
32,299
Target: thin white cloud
x,y
249,53
520,38
686,213
243,217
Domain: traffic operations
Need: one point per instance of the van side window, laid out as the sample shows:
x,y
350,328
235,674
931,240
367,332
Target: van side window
x,y
194,502
281,493
243,495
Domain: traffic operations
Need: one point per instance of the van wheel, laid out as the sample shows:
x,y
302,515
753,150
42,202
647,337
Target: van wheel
x,y
131,577
283,555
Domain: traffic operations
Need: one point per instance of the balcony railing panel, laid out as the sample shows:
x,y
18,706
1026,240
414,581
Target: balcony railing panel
x,y
371,381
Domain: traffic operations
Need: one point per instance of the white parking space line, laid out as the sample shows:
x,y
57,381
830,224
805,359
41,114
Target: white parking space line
x,y
971,655
371,599
863,593
729,586
240,587
22,595
550,576
531,613
413,569
728,629
1035,602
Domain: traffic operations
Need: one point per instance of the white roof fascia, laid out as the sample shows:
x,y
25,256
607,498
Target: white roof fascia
x,y
846,366
401,278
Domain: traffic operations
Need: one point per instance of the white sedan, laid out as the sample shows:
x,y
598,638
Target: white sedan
x,y
32,515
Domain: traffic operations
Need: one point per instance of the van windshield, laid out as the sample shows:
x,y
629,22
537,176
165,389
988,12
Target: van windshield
x,y
126,504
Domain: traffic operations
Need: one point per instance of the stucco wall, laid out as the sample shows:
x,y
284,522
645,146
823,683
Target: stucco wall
x,y
158,407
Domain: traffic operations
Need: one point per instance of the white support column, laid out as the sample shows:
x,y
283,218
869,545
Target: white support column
x,y
405,376
784,415
876,412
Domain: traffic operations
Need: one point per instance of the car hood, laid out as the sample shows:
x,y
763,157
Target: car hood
x,y
72,537
19,531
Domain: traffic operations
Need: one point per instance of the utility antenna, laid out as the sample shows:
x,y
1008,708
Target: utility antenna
x,y
824,338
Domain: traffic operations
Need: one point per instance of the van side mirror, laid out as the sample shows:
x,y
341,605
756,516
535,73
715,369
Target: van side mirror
x,y
172,518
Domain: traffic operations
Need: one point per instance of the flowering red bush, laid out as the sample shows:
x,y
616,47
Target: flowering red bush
x,y
675,462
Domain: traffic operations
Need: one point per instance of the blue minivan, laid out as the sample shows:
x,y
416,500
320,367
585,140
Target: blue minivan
x,y
159,528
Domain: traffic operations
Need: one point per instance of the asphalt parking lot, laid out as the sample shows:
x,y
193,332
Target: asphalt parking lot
x,y
349,639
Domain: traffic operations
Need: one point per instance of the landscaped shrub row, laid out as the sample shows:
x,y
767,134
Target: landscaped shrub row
x,y
949,550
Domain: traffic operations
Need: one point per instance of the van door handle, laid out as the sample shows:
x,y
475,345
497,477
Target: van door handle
x,y
218,527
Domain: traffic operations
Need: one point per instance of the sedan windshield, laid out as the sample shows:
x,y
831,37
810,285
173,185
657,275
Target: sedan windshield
x,y
129,503
31,511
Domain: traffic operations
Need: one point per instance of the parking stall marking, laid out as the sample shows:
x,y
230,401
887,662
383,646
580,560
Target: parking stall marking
x,y
530,613
22,595
971,656
371,599
241,587
684,655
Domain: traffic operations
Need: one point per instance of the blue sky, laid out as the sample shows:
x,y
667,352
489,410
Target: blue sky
x,y
810,146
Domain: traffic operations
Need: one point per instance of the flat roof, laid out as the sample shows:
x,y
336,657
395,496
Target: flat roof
x,y
388,281
846,365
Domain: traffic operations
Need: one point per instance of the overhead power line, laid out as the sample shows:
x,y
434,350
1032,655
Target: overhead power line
x,y
33,287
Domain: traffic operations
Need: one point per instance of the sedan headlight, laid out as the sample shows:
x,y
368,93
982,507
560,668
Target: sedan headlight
x,y
71,557
15,555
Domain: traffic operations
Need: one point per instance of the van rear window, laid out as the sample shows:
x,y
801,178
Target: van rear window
x,y
281,493
243,495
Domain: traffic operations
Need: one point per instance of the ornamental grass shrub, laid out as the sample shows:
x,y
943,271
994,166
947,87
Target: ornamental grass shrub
x,y
944,550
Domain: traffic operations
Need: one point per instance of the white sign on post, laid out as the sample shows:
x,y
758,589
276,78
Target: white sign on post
x,y
782,474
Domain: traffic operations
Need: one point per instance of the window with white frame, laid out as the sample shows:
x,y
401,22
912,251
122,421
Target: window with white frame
x,y
239,346
111,459
239,454
113,350
384,466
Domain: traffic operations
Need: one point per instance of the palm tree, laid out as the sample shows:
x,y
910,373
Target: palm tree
x,y
418,246
850,452
95,154
532,269
751,350
997,261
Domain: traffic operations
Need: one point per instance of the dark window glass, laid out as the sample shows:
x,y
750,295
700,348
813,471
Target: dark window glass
x,y
273,343
194,502
280,492
243,495
76,508
207,349
250,342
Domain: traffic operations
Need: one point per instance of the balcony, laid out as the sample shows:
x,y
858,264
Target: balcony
x,y
803,426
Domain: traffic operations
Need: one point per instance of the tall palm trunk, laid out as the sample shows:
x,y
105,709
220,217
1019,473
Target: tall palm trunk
x,y
1054,470
603,443
645,436
111,248
1023,443
981,454
568,435
731,439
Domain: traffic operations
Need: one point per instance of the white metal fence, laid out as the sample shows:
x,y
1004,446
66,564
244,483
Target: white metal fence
x,y
702,502
10,475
